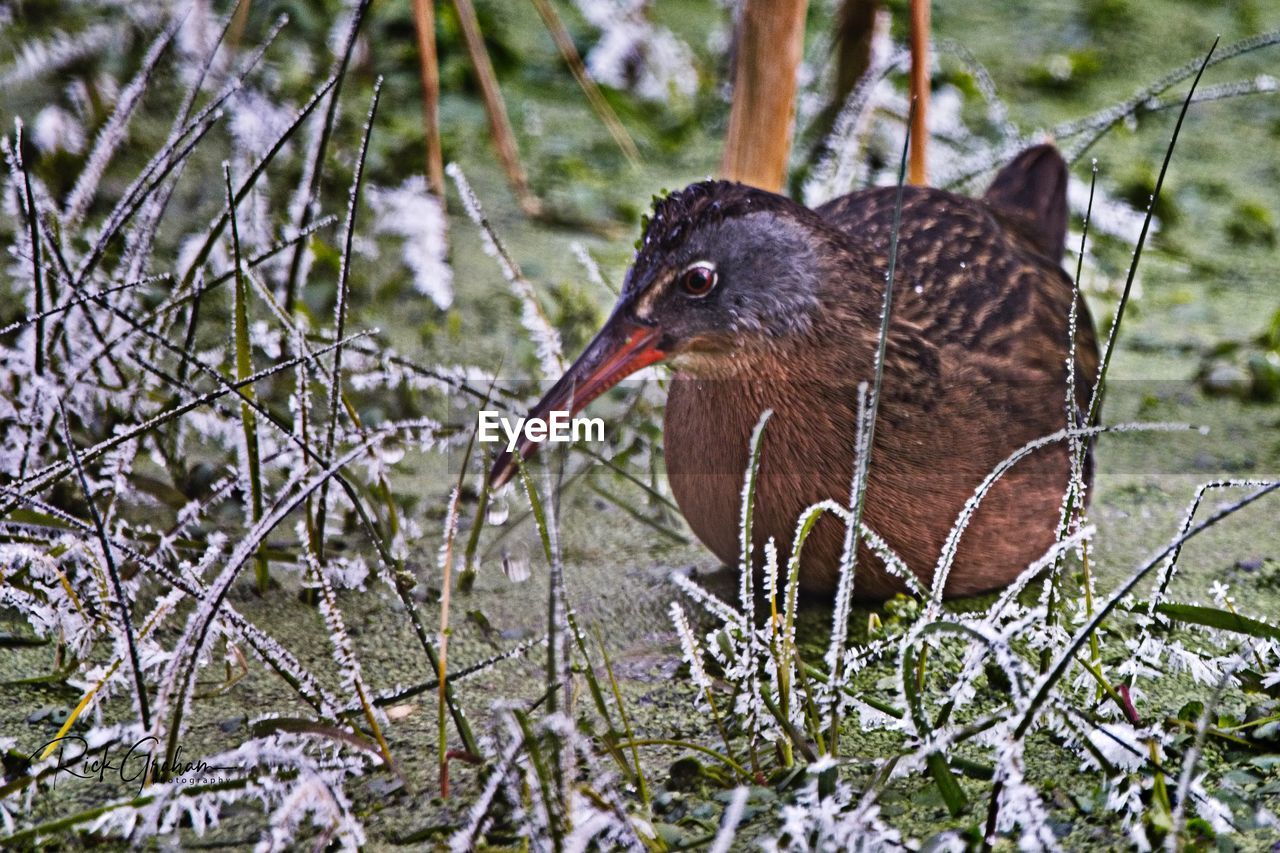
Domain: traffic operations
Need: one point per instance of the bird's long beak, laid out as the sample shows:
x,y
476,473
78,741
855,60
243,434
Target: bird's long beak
x,y
619,349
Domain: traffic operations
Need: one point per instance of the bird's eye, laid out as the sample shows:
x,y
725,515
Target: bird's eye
x,y
698,279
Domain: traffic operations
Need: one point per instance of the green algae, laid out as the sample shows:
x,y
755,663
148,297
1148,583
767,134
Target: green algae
x,y
1210,276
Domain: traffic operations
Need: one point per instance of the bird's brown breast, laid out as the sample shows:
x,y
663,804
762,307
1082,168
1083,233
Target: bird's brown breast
x,y
975,369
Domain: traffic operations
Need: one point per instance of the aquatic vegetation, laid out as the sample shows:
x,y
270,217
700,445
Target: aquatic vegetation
x,y
180,405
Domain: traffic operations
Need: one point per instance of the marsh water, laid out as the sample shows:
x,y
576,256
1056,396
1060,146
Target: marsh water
x,y
1208,281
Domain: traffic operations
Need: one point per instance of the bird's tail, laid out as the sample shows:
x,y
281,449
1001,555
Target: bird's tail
x,y
1033,190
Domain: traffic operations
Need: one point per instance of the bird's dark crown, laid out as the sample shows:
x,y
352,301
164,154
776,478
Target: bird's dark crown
x,y
702,204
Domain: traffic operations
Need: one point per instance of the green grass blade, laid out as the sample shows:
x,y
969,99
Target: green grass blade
x,y
340,309
244,369
1223,620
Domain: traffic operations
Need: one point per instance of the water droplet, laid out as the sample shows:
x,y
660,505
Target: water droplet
x,y
515,564
499,510
391,454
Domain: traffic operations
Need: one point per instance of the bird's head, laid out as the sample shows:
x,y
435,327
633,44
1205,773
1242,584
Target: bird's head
x,y
721,269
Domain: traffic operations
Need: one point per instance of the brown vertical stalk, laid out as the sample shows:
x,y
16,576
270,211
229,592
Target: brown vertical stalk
x,y
919,90
238,20
851,42
424,22
568,52
770,44
855,29
504,138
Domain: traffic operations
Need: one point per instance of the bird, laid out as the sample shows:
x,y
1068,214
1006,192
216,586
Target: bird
x,y
759,303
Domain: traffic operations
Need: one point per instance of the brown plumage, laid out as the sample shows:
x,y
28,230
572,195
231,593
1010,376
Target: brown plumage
x,y
760,303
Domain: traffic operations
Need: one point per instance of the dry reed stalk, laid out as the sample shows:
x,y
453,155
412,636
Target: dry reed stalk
x,y
568,52
239,19
916,173
770,46
855,28
504,138
424,23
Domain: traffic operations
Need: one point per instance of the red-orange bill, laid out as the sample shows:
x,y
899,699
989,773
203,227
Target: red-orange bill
x,y
621,348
